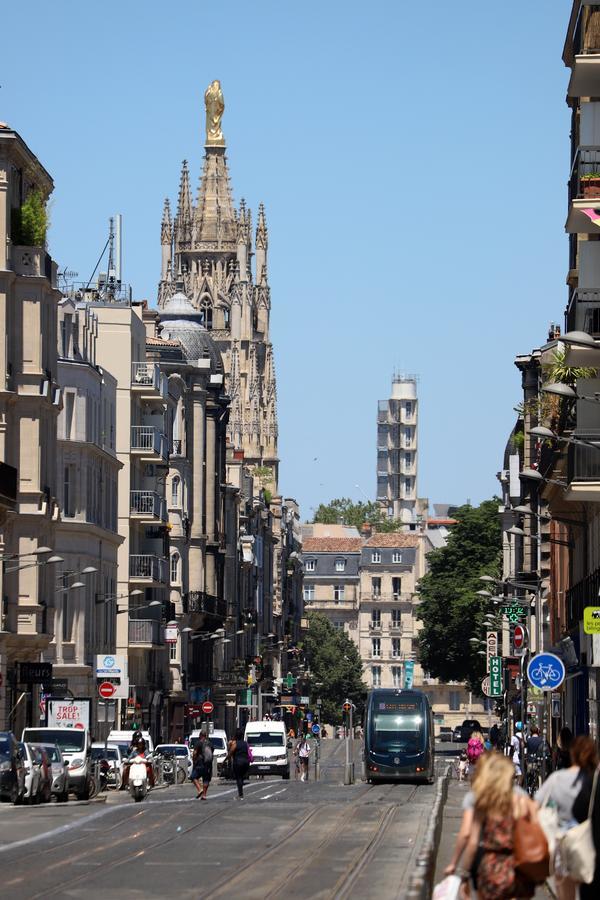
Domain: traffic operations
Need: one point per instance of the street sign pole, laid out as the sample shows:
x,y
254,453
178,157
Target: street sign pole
x,y
349,767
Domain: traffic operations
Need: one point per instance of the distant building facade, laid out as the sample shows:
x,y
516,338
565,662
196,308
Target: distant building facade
x,y
397,452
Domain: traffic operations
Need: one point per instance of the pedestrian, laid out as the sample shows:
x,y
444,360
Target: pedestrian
x,y
580,811
561,789
475,747
241,756
490,845
202,765
516,744
303,750
494,736
561,756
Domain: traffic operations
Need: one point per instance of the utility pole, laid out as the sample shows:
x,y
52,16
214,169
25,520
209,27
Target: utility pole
x,y
349,766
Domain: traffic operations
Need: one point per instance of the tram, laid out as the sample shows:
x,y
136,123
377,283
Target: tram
x,y
399,736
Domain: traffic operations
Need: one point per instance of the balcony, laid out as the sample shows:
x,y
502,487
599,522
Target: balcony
x,y
375,626
148,569
584,190
148,443
201,602
145,633
148,382
385,597
147,506
582,54
583,469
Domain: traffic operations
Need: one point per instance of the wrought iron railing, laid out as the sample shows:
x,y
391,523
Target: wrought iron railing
x,y
148,503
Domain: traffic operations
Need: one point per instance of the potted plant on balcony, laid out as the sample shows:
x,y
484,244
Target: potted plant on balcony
x,y
590,184
29,222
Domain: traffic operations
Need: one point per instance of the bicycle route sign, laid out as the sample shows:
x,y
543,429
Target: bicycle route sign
x,y
546,671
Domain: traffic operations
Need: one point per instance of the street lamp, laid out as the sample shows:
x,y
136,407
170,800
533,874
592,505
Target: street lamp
x,y
45,562
132,609
567,392
579,339
540,431
39,551
110,597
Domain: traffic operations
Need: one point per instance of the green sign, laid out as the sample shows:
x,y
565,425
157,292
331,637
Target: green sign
x,y
289,681
513,613
495,676
591,619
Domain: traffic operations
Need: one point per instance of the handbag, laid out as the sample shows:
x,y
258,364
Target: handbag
x,y
548,819
577,848
448,889
532,855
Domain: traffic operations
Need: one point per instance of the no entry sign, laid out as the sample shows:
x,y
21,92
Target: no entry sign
x,y
106,689
207,707
519,637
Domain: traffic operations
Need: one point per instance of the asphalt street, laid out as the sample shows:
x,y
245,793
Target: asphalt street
x,y
285,839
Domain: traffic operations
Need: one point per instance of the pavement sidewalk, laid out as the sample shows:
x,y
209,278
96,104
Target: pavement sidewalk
x,y
450,827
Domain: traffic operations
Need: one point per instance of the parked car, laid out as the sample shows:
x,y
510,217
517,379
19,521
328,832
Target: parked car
x,y
12,769
467,728
74,744
59,769
457,734
182,755
32,773
42,760
445,735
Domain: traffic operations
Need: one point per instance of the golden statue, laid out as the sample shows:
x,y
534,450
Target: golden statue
x,y
215,106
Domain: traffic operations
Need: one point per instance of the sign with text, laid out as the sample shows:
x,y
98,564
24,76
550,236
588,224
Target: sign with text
x,y
409,671
513,612
495,676
35,673
491,646
68,713
113,667
591,619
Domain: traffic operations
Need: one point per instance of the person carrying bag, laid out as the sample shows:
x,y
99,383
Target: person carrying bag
x,y
577,847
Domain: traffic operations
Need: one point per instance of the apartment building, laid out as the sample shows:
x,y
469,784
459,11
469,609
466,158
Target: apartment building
x,y
86,537
332,575
397,451
29,407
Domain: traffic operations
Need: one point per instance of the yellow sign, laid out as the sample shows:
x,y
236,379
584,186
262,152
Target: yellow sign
x,y
591,620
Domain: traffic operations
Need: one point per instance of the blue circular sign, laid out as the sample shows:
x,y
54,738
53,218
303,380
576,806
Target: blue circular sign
x,y
546,671
109,662
316,728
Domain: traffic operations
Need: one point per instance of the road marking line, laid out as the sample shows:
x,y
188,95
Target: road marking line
x,y
268,797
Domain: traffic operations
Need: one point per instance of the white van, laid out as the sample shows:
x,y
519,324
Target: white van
x,y
123,739
268,742
74,744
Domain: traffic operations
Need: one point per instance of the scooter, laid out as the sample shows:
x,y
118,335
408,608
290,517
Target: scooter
x,y
138,778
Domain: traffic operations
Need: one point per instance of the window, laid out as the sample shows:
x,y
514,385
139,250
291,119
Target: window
x,y
397,676
173,652
376,647
396,652
375,618
175,485
454,701
338,592
69,411
376,675
68,494
340,565
338,624
309,593
408,460
67,623
396,618
309,565
396,588
396,556
407,437
376,587
174,568
376,556
408,410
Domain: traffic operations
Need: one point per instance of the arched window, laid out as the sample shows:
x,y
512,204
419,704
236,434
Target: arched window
x,y
226,319
175,568
207,312
175,486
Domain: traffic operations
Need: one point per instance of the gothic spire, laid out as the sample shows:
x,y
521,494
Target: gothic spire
x,y
183,221
214,218
166,229
262,243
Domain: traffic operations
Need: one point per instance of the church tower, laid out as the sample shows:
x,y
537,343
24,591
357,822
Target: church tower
x,y
207,252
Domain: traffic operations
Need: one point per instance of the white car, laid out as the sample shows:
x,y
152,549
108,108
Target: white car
x,y
32,774
218,742
181,752
59,772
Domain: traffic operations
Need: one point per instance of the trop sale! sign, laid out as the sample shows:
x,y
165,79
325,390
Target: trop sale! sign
x,y
68,713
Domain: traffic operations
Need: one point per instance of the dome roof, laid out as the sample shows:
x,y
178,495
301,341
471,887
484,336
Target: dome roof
x,y
180,321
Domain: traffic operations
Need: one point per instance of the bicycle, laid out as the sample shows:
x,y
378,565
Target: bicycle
x,y
544,674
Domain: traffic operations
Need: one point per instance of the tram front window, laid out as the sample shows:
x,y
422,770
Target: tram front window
x,y
395,732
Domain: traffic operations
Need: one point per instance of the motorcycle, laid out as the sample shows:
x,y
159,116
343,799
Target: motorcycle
x,y
138,778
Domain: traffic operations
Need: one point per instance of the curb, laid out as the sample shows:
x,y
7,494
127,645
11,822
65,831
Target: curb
x,y
421,883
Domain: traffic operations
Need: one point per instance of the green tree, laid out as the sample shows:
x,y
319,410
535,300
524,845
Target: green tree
x,y
450,609
344,510
335,665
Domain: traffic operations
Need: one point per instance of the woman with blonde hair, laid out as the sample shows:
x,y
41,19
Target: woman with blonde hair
x,y
491,837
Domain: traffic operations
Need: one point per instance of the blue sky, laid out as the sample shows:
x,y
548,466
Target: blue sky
x,y
412,158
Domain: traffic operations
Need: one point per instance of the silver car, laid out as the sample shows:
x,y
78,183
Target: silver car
x,y
60,772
